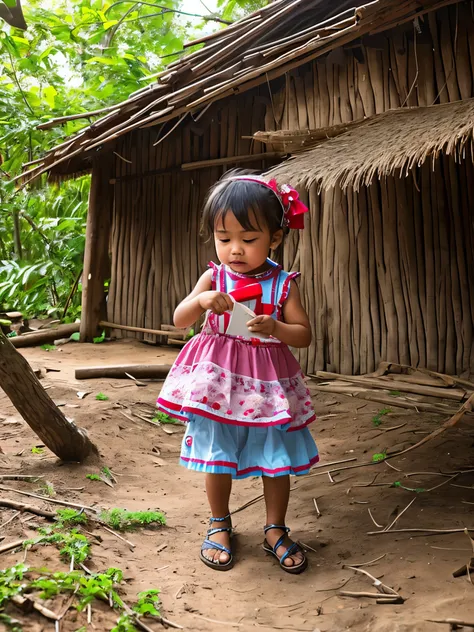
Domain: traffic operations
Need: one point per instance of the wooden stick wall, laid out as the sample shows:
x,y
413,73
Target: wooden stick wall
x,y
157,254
385,272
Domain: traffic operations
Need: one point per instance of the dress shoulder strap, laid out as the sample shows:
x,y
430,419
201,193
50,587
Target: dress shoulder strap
x,y
284,283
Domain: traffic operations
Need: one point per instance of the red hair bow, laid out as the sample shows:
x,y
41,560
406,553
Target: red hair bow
x,y
294,209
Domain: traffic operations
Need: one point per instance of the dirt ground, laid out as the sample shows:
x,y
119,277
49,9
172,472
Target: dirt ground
x,y
256,594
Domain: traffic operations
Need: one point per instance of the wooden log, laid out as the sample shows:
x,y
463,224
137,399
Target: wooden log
x,y
23,388
44,336
231,160
394,385
143,330
140,371
96,255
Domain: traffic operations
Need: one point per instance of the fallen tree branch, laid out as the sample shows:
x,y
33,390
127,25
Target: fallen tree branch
x,y
11,504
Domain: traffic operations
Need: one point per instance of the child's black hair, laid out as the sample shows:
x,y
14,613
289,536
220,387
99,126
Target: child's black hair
x,y
250,202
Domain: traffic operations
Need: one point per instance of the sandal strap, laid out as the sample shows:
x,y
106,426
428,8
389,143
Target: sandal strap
x,y
282,527
212,532
220,519
291,550
209,544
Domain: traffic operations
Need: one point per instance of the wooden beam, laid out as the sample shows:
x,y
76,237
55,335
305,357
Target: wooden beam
x,y
96,255
230,160
44,336
143,330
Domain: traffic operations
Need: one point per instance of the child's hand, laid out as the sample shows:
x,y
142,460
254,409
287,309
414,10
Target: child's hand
x,y
216,302
262,325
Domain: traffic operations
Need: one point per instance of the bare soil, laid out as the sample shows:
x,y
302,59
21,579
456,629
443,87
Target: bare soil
x,y
256,594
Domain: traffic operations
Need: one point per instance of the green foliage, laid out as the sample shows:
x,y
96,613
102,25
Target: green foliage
x,y
48,489
395,393
11,582
378,457
70,517
147,603
124,624
99,339
48,347
36,450
162,418
378,418
418,490
74,546
101,397
94,477
123,520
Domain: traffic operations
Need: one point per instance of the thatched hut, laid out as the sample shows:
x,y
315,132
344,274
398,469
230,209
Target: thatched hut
x,y
374,106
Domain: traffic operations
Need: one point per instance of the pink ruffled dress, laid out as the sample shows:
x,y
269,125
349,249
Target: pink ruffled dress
x,y
244,399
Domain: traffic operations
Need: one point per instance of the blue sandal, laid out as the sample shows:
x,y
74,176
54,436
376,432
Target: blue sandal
x,y
209,544
291,550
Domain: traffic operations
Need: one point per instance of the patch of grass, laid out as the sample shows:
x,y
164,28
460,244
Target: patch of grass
x,y
379,456
106,472
36,450
101,397
395,393
378,418
123,520
48,347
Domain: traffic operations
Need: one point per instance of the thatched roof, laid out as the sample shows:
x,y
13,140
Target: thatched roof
x,y
385,144
255,50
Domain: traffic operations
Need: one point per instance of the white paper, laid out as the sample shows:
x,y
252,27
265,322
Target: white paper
x,y
239,318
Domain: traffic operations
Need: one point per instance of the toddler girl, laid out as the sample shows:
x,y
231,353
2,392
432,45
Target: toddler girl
x,y
244,397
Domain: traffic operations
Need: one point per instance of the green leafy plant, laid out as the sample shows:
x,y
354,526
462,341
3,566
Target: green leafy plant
x,y
36,450
378,457
48,489
74,546
162,418
94,477
123,520
70,517
395,393
147,603
99,339
101,397
378,418
48,347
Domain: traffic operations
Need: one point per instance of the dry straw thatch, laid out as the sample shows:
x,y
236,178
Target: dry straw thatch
x,y
254,50
383,145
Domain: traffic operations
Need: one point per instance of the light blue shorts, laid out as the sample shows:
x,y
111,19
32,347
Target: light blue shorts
x,y
242,451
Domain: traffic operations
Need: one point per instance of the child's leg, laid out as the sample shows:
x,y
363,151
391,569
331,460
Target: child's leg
x,y
277,495
218,487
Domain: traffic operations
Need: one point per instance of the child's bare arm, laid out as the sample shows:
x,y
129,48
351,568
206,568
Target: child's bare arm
x,y
200,300
295,331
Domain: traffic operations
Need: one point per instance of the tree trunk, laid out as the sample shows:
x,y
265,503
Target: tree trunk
x,y
21,385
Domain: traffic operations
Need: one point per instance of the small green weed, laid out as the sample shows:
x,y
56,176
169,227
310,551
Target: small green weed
x,y
75,547
48,489
123,520
70,518
75,337
147,603
36,450
106,472
48,347
378,418
418,490
101,397
378,457
99,339
395,393
93,477
162,418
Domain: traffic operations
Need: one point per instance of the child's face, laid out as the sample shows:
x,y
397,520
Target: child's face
x,y
241,250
